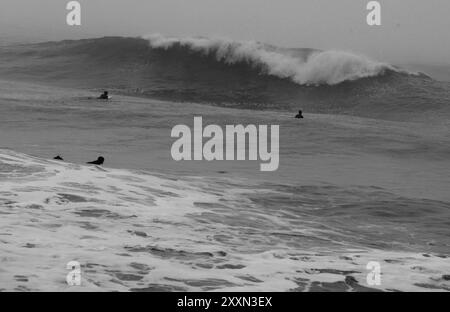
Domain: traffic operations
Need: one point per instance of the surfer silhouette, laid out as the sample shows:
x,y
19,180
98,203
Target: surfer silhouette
x,y
99,161
104,96
299,115
58,158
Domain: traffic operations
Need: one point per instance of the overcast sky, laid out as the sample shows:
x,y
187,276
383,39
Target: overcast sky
x,y
412,30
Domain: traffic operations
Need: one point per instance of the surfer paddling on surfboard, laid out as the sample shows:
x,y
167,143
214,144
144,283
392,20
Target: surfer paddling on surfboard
x,y
100,160
104,96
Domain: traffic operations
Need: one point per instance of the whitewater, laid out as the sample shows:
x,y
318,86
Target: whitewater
x,y
361,178
318,67
229,73
139,231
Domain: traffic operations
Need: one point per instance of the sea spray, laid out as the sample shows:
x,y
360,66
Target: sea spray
x,y
319,67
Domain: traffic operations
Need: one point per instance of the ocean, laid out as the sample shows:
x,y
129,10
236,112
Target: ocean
x,y
363,177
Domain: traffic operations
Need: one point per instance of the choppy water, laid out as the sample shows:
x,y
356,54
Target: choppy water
x,y
133,230
349,189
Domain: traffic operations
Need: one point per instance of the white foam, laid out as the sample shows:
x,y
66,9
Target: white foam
x,y
320,67
109,219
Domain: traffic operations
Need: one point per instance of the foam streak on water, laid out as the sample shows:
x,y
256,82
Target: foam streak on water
x,y
133,230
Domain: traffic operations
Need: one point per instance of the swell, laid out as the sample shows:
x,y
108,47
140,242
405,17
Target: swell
x,y
231,73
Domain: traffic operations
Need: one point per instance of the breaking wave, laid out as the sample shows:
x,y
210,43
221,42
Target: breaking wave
x,y
310,68
239,74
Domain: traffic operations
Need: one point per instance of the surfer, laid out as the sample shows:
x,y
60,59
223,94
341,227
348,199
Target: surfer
x,y
299,115
104,96
58,158
99,161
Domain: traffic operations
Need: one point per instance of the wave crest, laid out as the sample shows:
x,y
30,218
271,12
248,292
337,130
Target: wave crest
x,y
312,68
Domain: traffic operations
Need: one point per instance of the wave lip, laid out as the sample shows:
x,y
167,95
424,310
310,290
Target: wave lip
x,y
312,68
